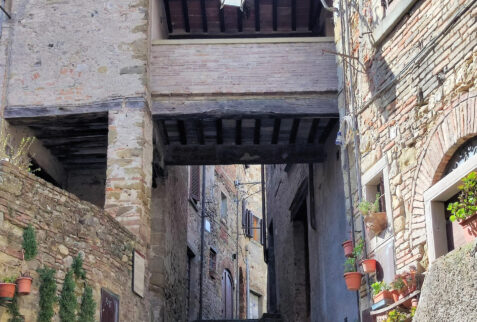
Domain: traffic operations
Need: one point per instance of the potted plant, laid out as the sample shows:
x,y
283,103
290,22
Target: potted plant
x,y
381,292
398,288
465,209
369,265
397,316
352,277
24,283
348,248
374,219
7,288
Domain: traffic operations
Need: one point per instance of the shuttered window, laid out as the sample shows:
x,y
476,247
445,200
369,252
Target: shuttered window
x,y
194,185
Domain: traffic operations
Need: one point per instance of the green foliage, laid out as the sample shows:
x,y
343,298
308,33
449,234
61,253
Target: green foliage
x,y
350,265
88,306
14,311
378,287
68,301
467,204
47,294
358,249
376,203
396,316
29,243
9,279
413,311
398,283
367,208
77,267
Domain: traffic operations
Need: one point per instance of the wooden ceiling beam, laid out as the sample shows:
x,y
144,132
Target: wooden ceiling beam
x,y
205,27
276,130
167,9
293,15
313,130
221,19
256,132
243,154
257,15
294,130
200,132
311,14
327,130
182,131
185,13
239,20
238,132
219,134
274,13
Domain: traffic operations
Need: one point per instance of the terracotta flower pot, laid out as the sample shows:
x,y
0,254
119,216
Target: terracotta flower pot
x,y
348,248
470,228
383,295
369,265
353,280
7,290
395,294
24,285
376,222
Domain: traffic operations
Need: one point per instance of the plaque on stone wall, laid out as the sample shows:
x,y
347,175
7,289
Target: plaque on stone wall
x,y
139,267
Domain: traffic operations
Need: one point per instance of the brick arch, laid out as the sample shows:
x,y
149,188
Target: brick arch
x,y
459,124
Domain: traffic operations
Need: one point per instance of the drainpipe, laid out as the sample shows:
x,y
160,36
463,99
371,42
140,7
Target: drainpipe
x,y
248,282
237,276
202,238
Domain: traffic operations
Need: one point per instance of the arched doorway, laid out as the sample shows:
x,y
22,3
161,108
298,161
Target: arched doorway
x,y
227,295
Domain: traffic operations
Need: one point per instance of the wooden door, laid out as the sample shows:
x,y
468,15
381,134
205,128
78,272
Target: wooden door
x,y
109,307
227,295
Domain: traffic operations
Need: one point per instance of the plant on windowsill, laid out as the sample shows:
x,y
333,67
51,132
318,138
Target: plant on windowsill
x,y
352,277
374,219
7,288
398,288
465,209
381,292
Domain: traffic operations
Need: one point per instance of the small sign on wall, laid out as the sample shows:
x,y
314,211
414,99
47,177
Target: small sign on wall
x,y
139,268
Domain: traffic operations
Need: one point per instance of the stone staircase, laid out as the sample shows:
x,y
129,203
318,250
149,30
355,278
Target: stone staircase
x,y
267,317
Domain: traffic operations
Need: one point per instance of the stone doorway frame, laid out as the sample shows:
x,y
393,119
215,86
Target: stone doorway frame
x,y
434,209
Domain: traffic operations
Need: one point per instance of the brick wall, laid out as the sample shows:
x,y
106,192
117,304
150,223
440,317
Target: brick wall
x,y
86,51
64,227
242,68
418,121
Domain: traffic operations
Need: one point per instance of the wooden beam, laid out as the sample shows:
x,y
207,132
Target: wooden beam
x,y
311,13
221,19
159,143
316,14
182,131
168,15
200,132
319,105
311,196
294,130
243,154
185,13
293,15
276,130
204,16
163,129
238,132
314,128
327,130
257,15
256,131
274,12
239,20
219,135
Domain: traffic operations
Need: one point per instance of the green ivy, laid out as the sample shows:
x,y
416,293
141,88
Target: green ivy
x,y
88,306
47,294
29,243
14,311
77,267
68,301
467,205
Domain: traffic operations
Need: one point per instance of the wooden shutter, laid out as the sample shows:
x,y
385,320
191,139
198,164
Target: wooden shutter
x,y
244,214
194,188
250,224
262,232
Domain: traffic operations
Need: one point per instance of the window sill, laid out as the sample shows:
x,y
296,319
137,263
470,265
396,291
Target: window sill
x,y
390,21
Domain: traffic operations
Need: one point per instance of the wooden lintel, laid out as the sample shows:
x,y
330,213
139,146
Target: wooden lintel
x,y
319,105
243,154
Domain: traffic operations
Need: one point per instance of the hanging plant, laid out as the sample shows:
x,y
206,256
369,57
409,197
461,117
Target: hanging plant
x,y
77,267
29,243
14,311
68,301
88,305
47,294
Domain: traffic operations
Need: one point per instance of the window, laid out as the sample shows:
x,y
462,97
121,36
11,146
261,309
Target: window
x,y
212,263
223,205
194,184
252,226
109,306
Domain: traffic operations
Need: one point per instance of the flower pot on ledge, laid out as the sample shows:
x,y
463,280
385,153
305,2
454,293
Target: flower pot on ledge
x,y
376,222
348,248
7,291
383,295
470,227
369,265
24,285
353,280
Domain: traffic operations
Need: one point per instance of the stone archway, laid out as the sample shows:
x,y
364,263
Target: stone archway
x,y
456,126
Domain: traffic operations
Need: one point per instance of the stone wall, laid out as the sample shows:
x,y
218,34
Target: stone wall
x,y
65,226
414,98
197,68
87,52
330,300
